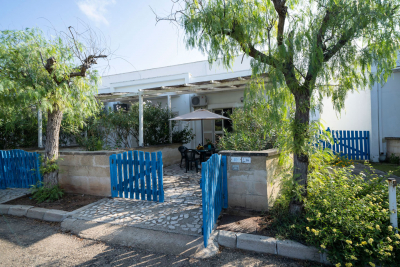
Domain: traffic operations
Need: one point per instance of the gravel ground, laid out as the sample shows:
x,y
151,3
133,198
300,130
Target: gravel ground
x,y
27,242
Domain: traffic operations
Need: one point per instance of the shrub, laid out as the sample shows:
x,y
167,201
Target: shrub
x,y
393,159
44,193
341,160
345,215
250,130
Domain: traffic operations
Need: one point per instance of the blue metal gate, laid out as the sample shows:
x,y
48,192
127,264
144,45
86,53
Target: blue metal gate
x,y
135,175
214,192
19,169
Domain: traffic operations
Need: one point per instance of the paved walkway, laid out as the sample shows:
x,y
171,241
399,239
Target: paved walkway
x,y
180,213
12,193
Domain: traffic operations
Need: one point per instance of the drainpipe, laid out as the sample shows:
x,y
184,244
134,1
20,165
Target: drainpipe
x,y
141,120
170,122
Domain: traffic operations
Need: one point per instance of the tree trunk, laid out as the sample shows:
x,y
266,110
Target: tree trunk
x,y
54,118
300,160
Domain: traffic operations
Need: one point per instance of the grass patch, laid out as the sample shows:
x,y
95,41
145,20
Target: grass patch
x,y
386,167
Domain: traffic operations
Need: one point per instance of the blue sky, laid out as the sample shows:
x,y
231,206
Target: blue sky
x,y
129,26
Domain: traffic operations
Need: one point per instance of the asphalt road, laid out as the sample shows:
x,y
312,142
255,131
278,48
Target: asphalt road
x,y
28,242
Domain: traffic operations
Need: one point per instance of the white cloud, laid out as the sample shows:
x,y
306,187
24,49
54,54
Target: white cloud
x,y
95,9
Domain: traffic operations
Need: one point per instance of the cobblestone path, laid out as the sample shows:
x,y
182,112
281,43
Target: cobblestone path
x,y
12,193
181,211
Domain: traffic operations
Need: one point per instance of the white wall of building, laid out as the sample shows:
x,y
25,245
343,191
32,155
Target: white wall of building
x,y
385,114
355,115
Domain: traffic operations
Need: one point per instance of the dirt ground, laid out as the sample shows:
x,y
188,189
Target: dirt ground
x,y
27,242
69,202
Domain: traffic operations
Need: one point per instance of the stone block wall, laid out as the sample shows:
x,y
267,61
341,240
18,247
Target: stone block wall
x,y
392,146
88,172
252,185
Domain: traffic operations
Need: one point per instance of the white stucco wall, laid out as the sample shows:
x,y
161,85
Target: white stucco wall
x,y
385,114
354,116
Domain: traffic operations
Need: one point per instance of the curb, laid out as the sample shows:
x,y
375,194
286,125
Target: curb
x,y
152,240
49,215
265,244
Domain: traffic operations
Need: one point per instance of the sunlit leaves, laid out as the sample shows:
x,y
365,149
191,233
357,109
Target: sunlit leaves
x,y
25,83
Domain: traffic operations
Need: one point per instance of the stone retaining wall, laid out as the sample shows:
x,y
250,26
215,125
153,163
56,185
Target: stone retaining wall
x,y
393,146
88,172
252,185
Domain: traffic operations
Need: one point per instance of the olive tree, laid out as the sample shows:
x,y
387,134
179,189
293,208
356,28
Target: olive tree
x,y
309,49
51,74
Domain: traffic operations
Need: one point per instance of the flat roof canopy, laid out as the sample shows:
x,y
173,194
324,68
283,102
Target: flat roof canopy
x,y
211,86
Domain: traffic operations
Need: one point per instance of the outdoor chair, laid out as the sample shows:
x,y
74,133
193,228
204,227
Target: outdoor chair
x,y
190,157
182,151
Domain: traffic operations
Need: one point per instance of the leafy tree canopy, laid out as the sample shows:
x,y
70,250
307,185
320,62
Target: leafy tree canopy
x,y
39,72
308,50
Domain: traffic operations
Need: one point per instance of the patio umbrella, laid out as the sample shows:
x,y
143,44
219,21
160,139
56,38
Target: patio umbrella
x,y
200,115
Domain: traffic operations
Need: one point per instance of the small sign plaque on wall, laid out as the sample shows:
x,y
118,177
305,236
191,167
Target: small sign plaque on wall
x,y
235,167
236,159
246,160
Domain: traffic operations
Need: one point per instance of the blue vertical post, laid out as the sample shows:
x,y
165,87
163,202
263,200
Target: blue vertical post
x,y
204,187
148,181
137,171
125,178
131,174
154,174
356,143
362,146
2,178
160,169
142,185
120,181
368,145
113,176
352,145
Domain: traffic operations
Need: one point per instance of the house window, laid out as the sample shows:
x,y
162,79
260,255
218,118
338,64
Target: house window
x,y
213,130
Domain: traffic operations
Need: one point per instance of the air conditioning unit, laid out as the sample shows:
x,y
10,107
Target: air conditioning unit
x,y
198,101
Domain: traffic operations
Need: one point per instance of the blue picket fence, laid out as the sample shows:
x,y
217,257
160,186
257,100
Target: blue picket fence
x,y
214,192
19,169
137,175
354,144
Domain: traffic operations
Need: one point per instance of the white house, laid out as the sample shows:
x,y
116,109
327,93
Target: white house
x,y
189,86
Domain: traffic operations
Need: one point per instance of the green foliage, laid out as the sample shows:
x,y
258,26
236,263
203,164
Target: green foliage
x,y
302,51
49,166
115,129
250,130
341,160
44,193
17,129
345,215
25,83
393,159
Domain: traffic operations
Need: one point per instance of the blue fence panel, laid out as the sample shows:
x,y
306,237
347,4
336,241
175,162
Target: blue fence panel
x,y
353,144
19,169
136,174
214,192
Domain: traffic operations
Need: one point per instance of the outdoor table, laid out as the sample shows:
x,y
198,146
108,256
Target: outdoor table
x,y
202,153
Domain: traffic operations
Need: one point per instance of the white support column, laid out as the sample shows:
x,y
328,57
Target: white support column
x,y
170,122
141,120
40,122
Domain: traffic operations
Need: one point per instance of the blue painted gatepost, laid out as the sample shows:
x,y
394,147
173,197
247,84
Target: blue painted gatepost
x,y
214,192
137,175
